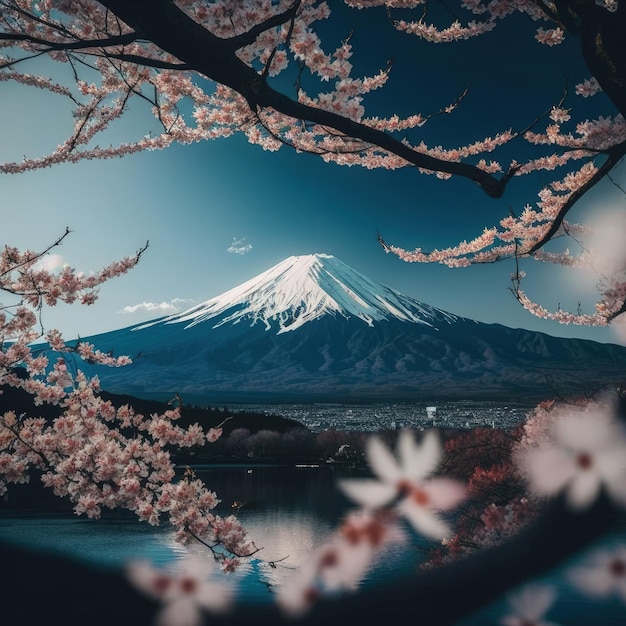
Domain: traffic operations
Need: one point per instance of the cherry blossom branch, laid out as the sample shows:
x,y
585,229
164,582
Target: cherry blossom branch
x,y
615,156
96,455
206,54
244,39
146,61
26,261
119,40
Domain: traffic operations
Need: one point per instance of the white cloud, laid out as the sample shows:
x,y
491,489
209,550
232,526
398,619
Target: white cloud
x,y
49,263
239,246
173,306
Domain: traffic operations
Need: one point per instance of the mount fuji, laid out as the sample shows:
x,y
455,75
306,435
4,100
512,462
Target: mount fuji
x,y
302,289
312,328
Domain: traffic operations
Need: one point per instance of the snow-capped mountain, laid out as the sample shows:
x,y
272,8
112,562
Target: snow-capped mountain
x,y
313,329
301,289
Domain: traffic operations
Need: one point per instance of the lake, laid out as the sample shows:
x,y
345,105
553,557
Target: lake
x,y
289,511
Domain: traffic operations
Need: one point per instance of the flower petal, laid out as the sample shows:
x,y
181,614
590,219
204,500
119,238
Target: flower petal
x,y
181,612
611,463
408,450
586,431
583,490
293,596
351,565
532,602
424,458
423,521
617,491
214,596
382,461
592,580
146,578
444,493
548,469
368,492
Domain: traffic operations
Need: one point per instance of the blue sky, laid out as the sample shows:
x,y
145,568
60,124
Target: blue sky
x,y
219,213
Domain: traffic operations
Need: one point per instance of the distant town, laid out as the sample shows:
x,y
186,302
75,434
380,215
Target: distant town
x,y
374,417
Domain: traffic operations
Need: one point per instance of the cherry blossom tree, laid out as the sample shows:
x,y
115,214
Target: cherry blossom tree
x,y
94,454
210,70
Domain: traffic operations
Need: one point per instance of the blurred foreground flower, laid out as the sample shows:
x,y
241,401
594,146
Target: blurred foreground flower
x,y
587,452
529,607
403,478
603,575
184,590
342,562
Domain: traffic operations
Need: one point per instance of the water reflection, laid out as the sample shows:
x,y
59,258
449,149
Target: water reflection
x,y
290,511
287,511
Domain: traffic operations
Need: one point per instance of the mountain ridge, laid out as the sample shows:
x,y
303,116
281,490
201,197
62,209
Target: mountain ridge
x,y
312,327
303,288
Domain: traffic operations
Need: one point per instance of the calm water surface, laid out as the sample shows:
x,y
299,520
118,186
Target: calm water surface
x,y
288,511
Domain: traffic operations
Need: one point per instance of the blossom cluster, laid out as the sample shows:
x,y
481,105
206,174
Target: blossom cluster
x,y
97,455
223,111
522,236
185,590
275,38
574,449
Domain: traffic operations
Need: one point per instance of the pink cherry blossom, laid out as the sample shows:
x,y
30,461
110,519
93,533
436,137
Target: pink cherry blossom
x,y
83,454
214,434
550,37
588,87
362,536
300,592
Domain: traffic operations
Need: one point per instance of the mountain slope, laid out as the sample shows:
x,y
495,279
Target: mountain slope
x,y
312,328
301,289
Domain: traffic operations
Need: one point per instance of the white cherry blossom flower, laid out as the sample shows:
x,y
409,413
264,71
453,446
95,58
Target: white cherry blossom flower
x,y
529,606
588,88
404,478
587,453
360,539
603,575
185,589
299,592
341,563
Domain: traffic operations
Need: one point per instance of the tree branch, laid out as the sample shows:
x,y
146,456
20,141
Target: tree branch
x,y
148,62
39,255
239,41
165,25
119,40
614,157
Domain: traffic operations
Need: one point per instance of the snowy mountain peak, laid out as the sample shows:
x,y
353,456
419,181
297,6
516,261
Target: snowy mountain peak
x,y
304,288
